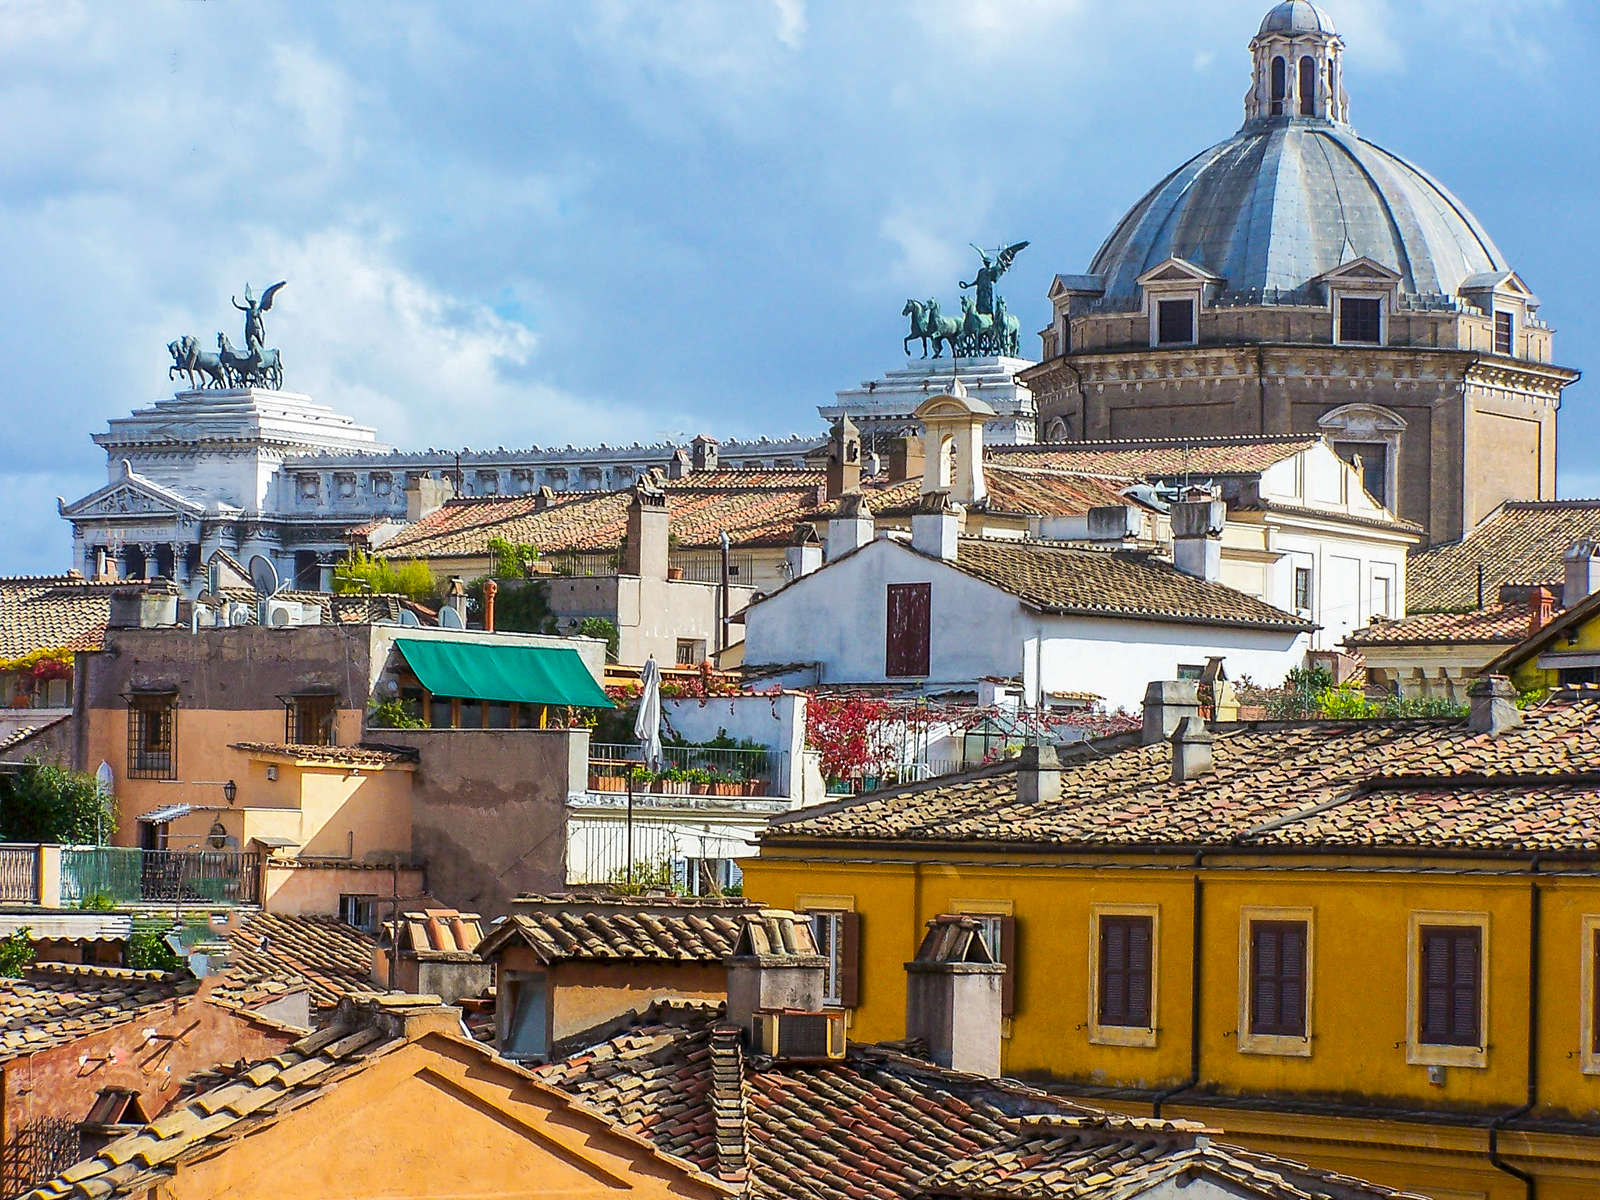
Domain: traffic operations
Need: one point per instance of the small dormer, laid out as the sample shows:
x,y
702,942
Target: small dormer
x,y
1070,296
1362,296
1173,294
1509,304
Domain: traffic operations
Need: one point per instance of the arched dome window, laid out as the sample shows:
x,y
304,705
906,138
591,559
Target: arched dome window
x,y
1280,84
1308,86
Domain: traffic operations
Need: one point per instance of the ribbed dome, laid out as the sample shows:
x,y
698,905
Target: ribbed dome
x,y
1297,16
1281,202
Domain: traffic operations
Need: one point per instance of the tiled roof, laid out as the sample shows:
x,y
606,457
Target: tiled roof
x,y
669,929
1564,625
1012,489
1504,623
1108,583
52,612
56,1003
1269,785
1521,542
878,1125
362,756
333,958
1108,1157
1158,458
21,734
757,508
437,934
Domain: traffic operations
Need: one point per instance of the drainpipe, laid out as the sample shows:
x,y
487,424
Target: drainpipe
x,y
1529,1182
1197,909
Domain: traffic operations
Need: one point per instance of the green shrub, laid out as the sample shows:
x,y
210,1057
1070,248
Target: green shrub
x,y
43,803
359,572
395,713
599,627
148,951
16,953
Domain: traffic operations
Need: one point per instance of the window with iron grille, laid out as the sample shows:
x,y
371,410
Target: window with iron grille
x,y
1174,322
1278,978
1451,976
1302,589
308,720
1125,965
1503,333
150,729
1361,319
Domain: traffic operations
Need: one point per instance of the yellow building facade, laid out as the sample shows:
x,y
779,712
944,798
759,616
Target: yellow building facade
x,y
1292,829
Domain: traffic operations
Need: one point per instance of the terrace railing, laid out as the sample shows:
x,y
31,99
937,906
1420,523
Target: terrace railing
x,y
19,874
714,771
126,875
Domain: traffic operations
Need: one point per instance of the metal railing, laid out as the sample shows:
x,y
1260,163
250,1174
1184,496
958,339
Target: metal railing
x,y
666,854
128,876
19,874
708,770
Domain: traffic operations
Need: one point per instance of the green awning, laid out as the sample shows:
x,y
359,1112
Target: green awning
x,y
507,674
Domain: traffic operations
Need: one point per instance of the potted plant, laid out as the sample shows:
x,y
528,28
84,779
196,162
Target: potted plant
x,y
675,781
755,787
642,778
699,781
605,781
722,785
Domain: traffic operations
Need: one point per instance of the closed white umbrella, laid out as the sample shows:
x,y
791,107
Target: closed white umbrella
x,y
647,725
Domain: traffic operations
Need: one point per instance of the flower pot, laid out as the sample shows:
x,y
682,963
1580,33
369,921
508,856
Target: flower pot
x,y
674,572
699,789
1252,712
755,787
727,789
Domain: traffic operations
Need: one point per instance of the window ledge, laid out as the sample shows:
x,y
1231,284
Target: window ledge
x,y
1282,1045
1425,1054
1121,1035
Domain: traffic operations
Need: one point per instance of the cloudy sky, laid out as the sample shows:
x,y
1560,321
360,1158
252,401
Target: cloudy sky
x,y
524,222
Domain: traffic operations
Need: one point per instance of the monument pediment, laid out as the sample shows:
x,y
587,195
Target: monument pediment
x,y
131,495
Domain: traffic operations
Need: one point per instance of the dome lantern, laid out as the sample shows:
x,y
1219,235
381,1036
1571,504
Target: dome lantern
x,y
1299,70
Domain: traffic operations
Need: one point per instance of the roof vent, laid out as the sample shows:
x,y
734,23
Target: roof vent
x,y
1493,706
1166,703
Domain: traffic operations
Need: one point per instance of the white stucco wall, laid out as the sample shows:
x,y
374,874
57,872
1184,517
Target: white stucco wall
x,y
836,618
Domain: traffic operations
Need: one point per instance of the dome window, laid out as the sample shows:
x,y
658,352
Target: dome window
x,y
1174,322
1174,292
1280,84
1361,319
1362,293
1308,86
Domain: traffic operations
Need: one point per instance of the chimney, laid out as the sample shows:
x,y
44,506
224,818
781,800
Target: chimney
x,y
953,996
703,453
398,1015
1197,537
1038,775
490,589
1541,607
774,966
802,558
1191,750
851,526
1582,562
844,458
152,606
455,596
935,526
648,528
1114,524
1166,703
424,495
543,498
905,457
953,419
1492,705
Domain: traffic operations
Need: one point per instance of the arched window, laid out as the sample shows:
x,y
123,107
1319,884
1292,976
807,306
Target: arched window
x,y
1280,84
1308,86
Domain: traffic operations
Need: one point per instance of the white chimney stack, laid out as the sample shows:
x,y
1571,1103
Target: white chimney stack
x,y
851,527
1197,537
935,527
1582,563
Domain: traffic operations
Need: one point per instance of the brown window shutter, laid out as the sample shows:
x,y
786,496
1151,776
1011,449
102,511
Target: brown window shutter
x,y
849,959
1008,955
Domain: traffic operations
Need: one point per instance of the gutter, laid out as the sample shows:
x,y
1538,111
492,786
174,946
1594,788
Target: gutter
x,y
1529,1182
1197,913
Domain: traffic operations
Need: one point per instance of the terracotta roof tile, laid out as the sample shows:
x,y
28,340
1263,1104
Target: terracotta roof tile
x,y
1504,623
333,958
52,612
1157,458
1521,542
56,1003
1314,783
364,756
1023,490
672,929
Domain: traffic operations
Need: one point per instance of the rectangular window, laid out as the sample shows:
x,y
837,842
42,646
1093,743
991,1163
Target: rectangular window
x,y
1504,333
691,653
1302,589
359,910
1589,995
308,720
527,1029
1174,322
150,737
838,937
906,634
1278,978
1000,939
1371,460
1450,976
1361,319
1382,595
1125,966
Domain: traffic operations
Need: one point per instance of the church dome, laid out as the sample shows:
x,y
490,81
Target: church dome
x,y
1296,192
1297,16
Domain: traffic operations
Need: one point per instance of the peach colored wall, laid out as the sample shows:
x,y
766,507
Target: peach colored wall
x,y
202,1034
315,891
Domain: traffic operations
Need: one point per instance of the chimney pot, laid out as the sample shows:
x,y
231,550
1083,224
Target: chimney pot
x,y
1191,750
936,527
1166,703
649,532
850,528
1039,775
1197,537
1582,579
1541,607
490,589
1492,702
953,996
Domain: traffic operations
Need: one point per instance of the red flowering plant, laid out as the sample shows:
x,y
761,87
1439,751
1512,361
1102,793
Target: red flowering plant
x,y
848,731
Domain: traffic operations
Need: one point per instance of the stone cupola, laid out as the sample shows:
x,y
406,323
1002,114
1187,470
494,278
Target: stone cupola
x,y
952,456
1299,70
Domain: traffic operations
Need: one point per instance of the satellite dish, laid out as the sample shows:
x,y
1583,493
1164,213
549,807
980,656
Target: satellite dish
x,y
409,618
449,618
263,575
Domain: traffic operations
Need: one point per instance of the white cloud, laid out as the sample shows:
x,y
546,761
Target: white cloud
x,y
791,22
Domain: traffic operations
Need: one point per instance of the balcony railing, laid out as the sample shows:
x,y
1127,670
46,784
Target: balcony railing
x,y
126,875
706,770
19,874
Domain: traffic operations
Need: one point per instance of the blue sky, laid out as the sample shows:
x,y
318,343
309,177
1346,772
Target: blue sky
x,y
519,223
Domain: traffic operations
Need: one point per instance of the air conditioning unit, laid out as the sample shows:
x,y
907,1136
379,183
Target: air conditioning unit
x,y
790,1034
281,614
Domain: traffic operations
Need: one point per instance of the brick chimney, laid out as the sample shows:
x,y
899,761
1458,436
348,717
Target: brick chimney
x,y
1582,563
954,996
1197,537
1191,750
1541,607
1166,703
850,528
649,525
1492,702
844,458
